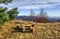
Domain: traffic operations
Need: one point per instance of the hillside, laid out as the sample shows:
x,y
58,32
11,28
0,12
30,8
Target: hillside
x,y
34,18
41,30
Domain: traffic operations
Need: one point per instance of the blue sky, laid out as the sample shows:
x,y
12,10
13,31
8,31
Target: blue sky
x,y
52,7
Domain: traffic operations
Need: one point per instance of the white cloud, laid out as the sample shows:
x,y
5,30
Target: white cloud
x,y
33,4
37,6
53,0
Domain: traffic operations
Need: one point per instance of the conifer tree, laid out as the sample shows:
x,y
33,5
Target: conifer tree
x,y
7,15
13,13
4,16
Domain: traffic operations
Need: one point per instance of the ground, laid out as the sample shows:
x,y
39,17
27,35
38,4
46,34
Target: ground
x,y
41,30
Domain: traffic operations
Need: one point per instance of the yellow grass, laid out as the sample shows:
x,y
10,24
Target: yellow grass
x,y
41,30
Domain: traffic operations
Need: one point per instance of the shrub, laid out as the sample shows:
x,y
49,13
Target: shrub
x,y
42,17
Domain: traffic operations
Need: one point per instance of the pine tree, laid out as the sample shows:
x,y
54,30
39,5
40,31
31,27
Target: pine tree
x,y
4,16
7,15
5,1
13,13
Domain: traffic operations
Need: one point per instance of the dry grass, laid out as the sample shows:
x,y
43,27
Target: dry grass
x,y
41,30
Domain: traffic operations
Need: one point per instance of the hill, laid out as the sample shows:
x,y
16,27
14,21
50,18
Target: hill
x,y
28,18
41,30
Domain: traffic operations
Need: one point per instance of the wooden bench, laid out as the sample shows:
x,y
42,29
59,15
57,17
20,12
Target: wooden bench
x,y
24,30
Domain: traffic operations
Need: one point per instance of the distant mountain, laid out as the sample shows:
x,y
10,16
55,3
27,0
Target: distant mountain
x,y
28,18
54,19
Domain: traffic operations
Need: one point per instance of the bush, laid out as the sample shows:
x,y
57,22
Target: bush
x,y
42,17
42,20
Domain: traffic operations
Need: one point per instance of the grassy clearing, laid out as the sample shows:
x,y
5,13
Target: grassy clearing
x,y
41,30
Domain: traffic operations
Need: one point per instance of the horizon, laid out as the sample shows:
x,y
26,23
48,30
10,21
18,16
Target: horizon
x,y
52,7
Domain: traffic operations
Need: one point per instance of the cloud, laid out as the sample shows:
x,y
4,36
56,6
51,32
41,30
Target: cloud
x,y
33,4
36,4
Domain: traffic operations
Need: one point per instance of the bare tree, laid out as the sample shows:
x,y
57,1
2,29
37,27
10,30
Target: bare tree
x,y
32,14
42,13
42,16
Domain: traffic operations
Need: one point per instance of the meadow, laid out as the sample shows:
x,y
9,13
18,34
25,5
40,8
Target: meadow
x,y
40,30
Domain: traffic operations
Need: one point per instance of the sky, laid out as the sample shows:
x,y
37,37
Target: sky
x,y
52,7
